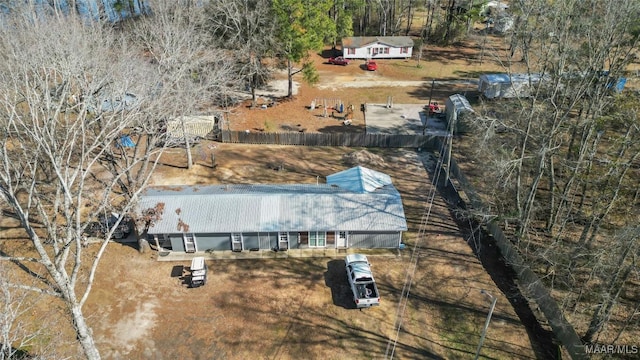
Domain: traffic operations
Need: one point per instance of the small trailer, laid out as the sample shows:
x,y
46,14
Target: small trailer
x,y
508,86
198,272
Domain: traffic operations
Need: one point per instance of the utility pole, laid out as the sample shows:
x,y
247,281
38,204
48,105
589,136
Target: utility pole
x,y
433,83
486,323
451,124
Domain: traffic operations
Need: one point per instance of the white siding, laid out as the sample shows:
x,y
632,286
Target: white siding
x,y
367,52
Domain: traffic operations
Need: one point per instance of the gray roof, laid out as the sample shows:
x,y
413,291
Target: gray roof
x,y
359,179
271,208
459,103
393,41
511,78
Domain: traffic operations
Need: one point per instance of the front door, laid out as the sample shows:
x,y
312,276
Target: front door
x,y
341,239
283,240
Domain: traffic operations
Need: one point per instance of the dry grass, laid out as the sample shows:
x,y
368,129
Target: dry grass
x,y
299,308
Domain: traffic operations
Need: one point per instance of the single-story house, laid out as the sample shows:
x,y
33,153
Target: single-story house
x,y
356,208
493,86
377,47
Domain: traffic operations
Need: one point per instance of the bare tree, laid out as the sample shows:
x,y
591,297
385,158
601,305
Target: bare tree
x,y
614,271
247,28
16,334
565,153
69,91
192,73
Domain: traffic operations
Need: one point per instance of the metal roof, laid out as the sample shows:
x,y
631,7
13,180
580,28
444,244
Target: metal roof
x,y
510,78
359,179
193,125
271,208
360,41
458,103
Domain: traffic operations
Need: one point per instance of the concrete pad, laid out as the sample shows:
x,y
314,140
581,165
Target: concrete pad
x,y
404,119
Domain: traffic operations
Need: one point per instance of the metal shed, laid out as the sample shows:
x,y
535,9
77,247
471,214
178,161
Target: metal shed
x,y
457,110
194,126
493,86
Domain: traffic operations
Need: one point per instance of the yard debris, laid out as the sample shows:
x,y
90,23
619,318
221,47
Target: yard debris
x,y
362,157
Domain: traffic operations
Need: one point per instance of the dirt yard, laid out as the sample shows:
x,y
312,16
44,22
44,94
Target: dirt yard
x,y
402,80
296,308
300,308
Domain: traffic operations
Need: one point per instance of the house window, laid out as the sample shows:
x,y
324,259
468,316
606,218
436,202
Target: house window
x,y
236,241
317,239
164,241
369,51
404,50
351,51
380,50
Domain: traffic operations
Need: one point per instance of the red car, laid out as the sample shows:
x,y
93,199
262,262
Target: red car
x,y
371,65
338,61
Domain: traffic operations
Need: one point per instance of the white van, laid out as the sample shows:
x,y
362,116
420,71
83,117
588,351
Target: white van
x,y
198,272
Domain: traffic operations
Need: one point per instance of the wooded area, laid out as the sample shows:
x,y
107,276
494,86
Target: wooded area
x,y
564,161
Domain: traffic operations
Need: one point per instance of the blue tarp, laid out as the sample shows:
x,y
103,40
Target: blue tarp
x,y
125,141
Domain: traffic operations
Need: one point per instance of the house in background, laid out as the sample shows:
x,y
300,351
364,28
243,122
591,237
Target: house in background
x,y
356,208
377,47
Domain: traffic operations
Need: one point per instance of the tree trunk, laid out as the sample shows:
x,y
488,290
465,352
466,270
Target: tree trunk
x,y
552,194
409,18
565,204
83,331
603,311
531,197
290,79
254,84
523,149
627,322
187,145
449,21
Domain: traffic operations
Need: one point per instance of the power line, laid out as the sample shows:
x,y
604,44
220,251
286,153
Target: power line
x,y
411,269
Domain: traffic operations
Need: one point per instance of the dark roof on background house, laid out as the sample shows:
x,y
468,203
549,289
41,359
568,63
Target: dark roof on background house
x,y
357,199
360,41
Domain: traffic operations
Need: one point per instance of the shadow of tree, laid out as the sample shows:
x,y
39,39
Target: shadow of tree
x,y
343,129
502,274
336,279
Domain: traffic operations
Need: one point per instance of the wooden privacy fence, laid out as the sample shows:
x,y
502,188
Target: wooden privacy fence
x,y
329,139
